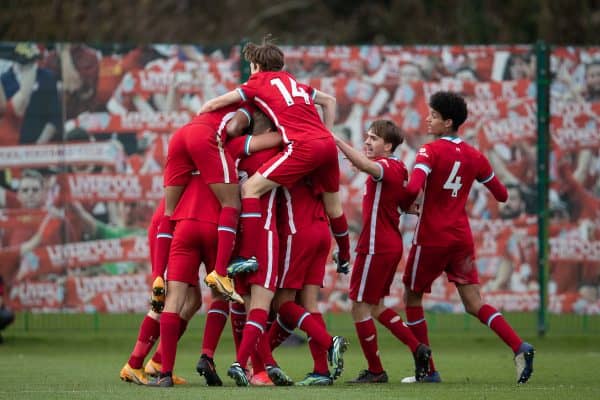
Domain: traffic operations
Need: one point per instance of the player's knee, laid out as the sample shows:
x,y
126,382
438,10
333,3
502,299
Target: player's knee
x,y
472,307
190,309
376,310
412,299
333,209
360,311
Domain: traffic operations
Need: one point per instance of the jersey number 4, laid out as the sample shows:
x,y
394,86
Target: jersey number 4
x,y
453,181
296,91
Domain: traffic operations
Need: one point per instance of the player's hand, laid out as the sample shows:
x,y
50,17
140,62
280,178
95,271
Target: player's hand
x,y
343,266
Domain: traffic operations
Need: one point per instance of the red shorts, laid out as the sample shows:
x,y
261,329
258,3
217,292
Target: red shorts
x,y
372,276
196,147
303,256
426,263
317,158
194,242
267,252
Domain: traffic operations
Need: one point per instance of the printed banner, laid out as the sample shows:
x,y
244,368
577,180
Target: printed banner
x,y
81,170
112,187
133,121
40,156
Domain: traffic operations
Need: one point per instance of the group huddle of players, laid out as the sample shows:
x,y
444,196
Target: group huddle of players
x,y
265,255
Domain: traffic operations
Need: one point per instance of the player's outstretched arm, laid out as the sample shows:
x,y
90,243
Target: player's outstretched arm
x,y
328,103
412,189
267,140
221,101
359,160
497,189
238,123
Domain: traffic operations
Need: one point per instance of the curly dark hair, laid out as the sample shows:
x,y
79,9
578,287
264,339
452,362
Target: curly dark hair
x,y
450,105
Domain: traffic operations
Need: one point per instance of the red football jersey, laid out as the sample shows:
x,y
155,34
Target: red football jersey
x,y
198,202
289,104
299,207
451,166
218,119
380,209
238,148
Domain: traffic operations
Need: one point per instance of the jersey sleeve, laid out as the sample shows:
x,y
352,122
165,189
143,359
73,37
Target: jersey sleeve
x,y
424,159
383,165
485,172
236,146
310,90
249,89
248,109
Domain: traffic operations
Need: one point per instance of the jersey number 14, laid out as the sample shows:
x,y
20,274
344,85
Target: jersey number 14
x,y
453,181
296,91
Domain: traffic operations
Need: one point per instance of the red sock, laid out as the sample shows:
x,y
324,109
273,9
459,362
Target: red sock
x,y
250,226
264,346
162,244
170,328
263,354
147,336
253,330
294,315
237,313
157,357
489,316
258,364
415,319
278,333
319,353
216,318
228,221
367,336
183,323
339,228
391,320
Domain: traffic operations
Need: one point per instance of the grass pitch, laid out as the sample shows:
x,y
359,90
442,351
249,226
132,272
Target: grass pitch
x,y
76,362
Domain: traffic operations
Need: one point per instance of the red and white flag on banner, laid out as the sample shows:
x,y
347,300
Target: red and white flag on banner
x,y
58,258
41,295
106,187
108,293
37,156
133,121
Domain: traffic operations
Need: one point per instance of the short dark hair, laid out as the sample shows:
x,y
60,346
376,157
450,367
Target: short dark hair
x,y
261,123
267,56
388,131
450,105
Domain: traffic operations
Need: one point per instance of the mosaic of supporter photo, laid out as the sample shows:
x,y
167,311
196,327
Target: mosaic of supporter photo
x,y
84,133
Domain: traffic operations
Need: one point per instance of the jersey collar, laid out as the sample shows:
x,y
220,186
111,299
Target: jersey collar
x,y
453,139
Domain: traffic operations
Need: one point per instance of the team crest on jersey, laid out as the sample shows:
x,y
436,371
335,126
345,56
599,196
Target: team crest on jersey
x,y
423,152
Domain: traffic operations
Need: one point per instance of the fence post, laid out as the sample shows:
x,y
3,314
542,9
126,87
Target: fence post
x,y
542,53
